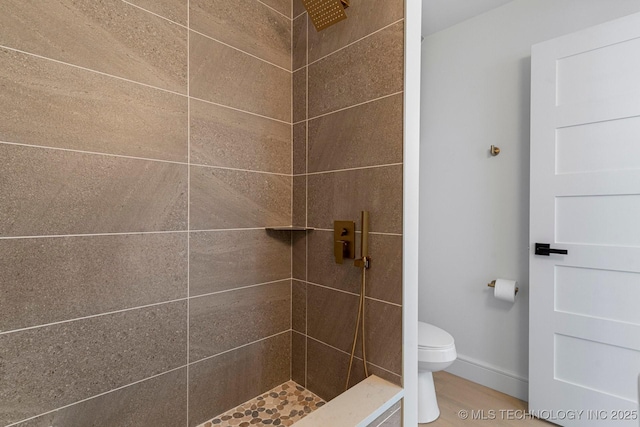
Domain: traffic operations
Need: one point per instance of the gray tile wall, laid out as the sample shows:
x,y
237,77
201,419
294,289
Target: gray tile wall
x,y
347,157
145,145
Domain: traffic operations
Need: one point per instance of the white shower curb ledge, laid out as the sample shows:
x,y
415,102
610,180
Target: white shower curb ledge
x,y
357,407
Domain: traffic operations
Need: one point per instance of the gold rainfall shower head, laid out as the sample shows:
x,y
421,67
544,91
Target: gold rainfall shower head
x,y
324,13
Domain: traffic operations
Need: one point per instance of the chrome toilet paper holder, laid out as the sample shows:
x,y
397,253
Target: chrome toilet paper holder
x,y
492,284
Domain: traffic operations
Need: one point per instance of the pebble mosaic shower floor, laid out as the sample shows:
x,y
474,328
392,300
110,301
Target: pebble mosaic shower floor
x,y
280,406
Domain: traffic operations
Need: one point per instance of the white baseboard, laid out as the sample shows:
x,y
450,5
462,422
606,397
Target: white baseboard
x,y
490,376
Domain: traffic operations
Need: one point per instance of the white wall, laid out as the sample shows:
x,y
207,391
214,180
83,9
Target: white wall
x,y
474,208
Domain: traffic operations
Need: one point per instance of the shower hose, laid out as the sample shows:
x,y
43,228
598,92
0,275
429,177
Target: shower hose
x,y
359,322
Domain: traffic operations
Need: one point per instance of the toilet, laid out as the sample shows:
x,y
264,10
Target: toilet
x,y
436,351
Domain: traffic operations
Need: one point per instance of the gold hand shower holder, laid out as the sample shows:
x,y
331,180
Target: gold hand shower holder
x,y
364,263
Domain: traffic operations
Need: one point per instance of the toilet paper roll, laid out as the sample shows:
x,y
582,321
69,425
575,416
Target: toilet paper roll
x,y
505,290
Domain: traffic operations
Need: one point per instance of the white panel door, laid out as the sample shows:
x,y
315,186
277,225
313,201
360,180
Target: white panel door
x,y
584,345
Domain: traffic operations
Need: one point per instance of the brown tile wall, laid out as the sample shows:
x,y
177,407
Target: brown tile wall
x,y
347,157
144,148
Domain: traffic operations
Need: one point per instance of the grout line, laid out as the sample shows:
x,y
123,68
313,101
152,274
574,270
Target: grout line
x,y
306,136
90,70
96,396
355,357
356,41
239,50
306,212
160,16
228,229
187,163
296,70
239,169
358,232
292,143
292,208
306,326
107,313
239,288
355,105
147,159
356,168
128,233
291,327
354,294
238,109
188,200
298,15
277,11
383,301
239,347
72,150
300,121
333,289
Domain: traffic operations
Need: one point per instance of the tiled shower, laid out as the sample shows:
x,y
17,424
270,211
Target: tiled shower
x,y
145,147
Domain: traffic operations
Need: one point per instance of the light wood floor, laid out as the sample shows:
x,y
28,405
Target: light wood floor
x,y
456,394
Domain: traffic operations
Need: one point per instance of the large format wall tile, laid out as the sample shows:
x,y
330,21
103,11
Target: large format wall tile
x,y
365,17
299,206
299,255
116,38
331,316
160,402
52,366
342,195
51,104
226,76
384,335
282,6
222,382
368,69
339,140
384,278
230,138
298,358
46,280
299,38
299,306
221,260
300,95
223,321
174,10
298,8
327,370
236,199
247,25
300,148
48,191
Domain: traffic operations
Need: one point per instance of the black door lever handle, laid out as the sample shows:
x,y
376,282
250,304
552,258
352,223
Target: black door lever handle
x,y
546,249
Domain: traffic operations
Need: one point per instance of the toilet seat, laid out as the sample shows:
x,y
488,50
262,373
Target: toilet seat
x,y
433,338
434,344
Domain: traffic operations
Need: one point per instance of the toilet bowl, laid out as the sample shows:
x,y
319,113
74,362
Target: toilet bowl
x,y
436,351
